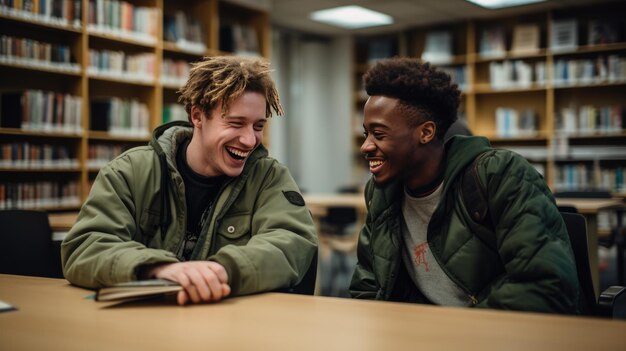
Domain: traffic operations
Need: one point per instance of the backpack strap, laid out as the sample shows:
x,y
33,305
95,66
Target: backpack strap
x,y
476,203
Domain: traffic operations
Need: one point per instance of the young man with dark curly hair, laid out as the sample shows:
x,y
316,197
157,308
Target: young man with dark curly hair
x,y
203,204
419,243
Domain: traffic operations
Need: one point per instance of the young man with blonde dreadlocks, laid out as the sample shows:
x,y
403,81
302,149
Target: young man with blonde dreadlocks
x,y
203,204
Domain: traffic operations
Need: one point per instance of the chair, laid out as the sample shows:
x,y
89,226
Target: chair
x,y
611,302
27,247
339,218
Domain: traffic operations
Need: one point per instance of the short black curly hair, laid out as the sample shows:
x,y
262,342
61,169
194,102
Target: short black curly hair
x,y
425,92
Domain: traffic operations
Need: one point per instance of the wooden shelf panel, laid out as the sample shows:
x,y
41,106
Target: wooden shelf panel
x,y
509,55
14,131
40,170
124,38
588,49
488,89
105,136
38,66
39,22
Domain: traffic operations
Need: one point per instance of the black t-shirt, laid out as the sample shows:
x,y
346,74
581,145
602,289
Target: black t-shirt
x,y
200,193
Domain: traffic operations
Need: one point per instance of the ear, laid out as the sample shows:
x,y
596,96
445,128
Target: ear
x,y
196,116
426,132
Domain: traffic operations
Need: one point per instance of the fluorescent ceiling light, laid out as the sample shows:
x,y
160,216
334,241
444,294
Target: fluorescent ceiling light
x,y
498,4
351,17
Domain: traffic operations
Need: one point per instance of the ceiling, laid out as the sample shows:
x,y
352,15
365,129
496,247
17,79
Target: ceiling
x,y
294,14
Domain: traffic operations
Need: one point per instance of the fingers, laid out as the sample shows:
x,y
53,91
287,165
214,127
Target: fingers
x,y
202,281
182,298
219,270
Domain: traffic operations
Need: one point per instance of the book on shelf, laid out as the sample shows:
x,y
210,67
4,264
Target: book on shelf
x,y
240,39
492,42
140,289
603,32
121,117
438,47
564,35
184,30
512,123
525,39
37,110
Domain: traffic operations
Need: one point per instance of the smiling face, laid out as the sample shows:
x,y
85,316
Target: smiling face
x,y
393,149
221,144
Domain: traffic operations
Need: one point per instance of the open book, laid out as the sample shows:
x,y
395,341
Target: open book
x,y
137,290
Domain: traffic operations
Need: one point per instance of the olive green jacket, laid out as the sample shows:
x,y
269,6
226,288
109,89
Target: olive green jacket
x,y
258,229
526,263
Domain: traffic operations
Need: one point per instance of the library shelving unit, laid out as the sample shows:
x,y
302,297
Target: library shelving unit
x,y
84,80
550,85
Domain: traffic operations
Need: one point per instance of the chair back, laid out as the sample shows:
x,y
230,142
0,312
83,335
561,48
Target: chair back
x,y
577,230
27,247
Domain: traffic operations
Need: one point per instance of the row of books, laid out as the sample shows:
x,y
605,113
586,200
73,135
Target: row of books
x,y
122,66
174,72
99,155
511,123
42,111
581,176
121,117
458,74
56,12
589,119
29,52
123,19
516,74
174,112
184,29
240,39
526,38
36,156
30,195
611,68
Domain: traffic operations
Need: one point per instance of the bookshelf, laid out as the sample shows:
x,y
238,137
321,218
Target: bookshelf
x,y
84,80
557,98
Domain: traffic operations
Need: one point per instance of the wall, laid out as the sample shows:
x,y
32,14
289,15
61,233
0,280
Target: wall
x,y
313,139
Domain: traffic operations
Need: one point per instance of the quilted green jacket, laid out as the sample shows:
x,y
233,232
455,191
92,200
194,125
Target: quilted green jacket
x,y
528,265
136,214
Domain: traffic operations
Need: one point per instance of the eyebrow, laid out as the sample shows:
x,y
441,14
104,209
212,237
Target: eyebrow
x,y
260,119
376,125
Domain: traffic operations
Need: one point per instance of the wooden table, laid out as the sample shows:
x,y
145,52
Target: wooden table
x,y
52,315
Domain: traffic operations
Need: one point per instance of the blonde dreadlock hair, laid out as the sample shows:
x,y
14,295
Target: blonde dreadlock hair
x,y
222,79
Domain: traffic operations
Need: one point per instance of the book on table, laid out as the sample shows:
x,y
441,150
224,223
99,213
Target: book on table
x,y
137,290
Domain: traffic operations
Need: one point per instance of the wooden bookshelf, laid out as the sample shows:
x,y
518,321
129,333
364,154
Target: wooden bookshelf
x,y
544,92
82,36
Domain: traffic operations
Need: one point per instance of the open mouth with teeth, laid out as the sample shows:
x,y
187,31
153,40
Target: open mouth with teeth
x,y
376,165
237,154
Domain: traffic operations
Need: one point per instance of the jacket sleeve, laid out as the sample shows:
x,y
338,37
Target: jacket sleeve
x,y
99,250
283,239
363,285
532,241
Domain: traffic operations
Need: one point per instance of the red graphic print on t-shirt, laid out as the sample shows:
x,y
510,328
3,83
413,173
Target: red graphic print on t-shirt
x,y
420,255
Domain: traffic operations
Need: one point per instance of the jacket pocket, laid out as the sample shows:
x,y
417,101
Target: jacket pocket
x,y
234,230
